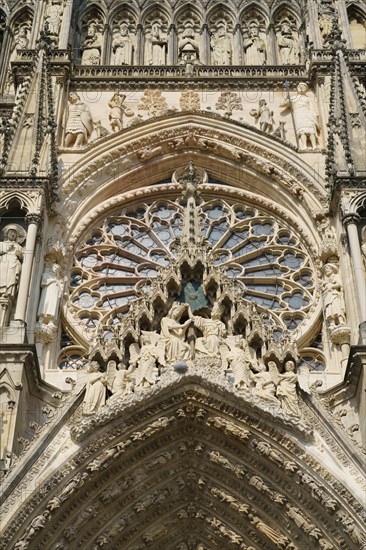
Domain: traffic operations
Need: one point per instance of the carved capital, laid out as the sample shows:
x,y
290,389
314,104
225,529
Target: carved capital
x,y
33,219
351,218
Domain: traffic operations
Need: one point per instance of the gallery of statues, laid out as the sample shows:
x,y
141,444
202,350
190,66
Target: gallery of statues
x,y
182,274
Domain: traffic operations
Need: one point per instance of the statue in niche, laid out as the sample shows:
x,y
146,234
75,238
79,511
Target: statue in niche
x,y
264,115
264,385
221,47
11,257
174,334
122,47
213,331
305,117
145,359
286,387
333,302
52,288
79,122
288,44
119,380
157,44
239,359
92,45
188,48
21,41
53,17
327,15
255,48
95,392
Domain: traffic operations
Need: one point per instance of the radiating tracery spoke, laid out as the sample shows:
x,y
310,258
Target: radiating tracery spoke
x,y
117,259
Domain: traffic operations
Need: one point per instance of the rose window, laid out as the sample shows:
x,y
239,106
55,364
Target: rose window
x,y
121,256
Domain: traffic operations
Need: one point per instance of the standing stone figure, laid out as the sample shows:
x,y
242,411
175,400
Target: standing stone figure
x,y
117,107
92,46
264,115
254,47
286,388
21,42
333,302
287,44
79,123
221,47
95,393
157,45
11,257
53,17
52,287
305,117
122,47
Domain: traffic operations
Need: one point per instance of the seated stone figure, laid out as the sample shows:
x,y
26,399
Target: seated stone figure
x,y
176,349
213,331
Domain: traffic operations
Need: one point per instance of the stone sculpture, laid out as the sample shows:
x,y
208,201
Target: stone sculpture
x,y
92,46
21,42
188,48
239,359
213,331
255,48
174,334
116,104
221,47
52,287
119,380
287,43
79,124
286,388
333,302
11,257
122,47
54,17
305,117
264,385
145,358
95,392
157,45
363,245
264,115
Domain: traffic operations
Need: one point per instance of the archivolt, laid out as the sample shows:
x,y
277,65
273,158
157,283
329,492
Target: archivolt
x,y
190,466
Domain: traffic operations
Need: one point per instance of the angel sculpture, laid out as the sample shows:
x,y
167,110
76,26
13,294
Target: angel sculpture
x,y
264,385
119,380
286,387
145,358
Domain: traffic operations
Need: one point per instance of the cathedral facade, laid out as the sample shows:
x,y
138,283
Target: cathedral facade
x,y
182,274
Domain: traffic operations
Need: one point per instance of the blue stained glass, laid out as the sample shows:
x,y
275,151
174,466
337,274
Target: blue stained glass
x,y
109,288
305,280
76,279
262,229
118,229
85,300
293,323
148,272
95,239
159,259
113,272
137,214
119,301
164,234
297,301
163,211
119,260
261,260
88,261
235,238
266,289
144,239
291,261
266,272
284,239
249,247
217,232
215,212
243,215
232,273
134,249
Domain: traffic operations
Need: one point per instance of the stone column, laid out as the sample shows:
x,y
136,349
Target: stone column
x,y
238,52
140,45
351,222
172,46
65,26
272,54
205,45
33,221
